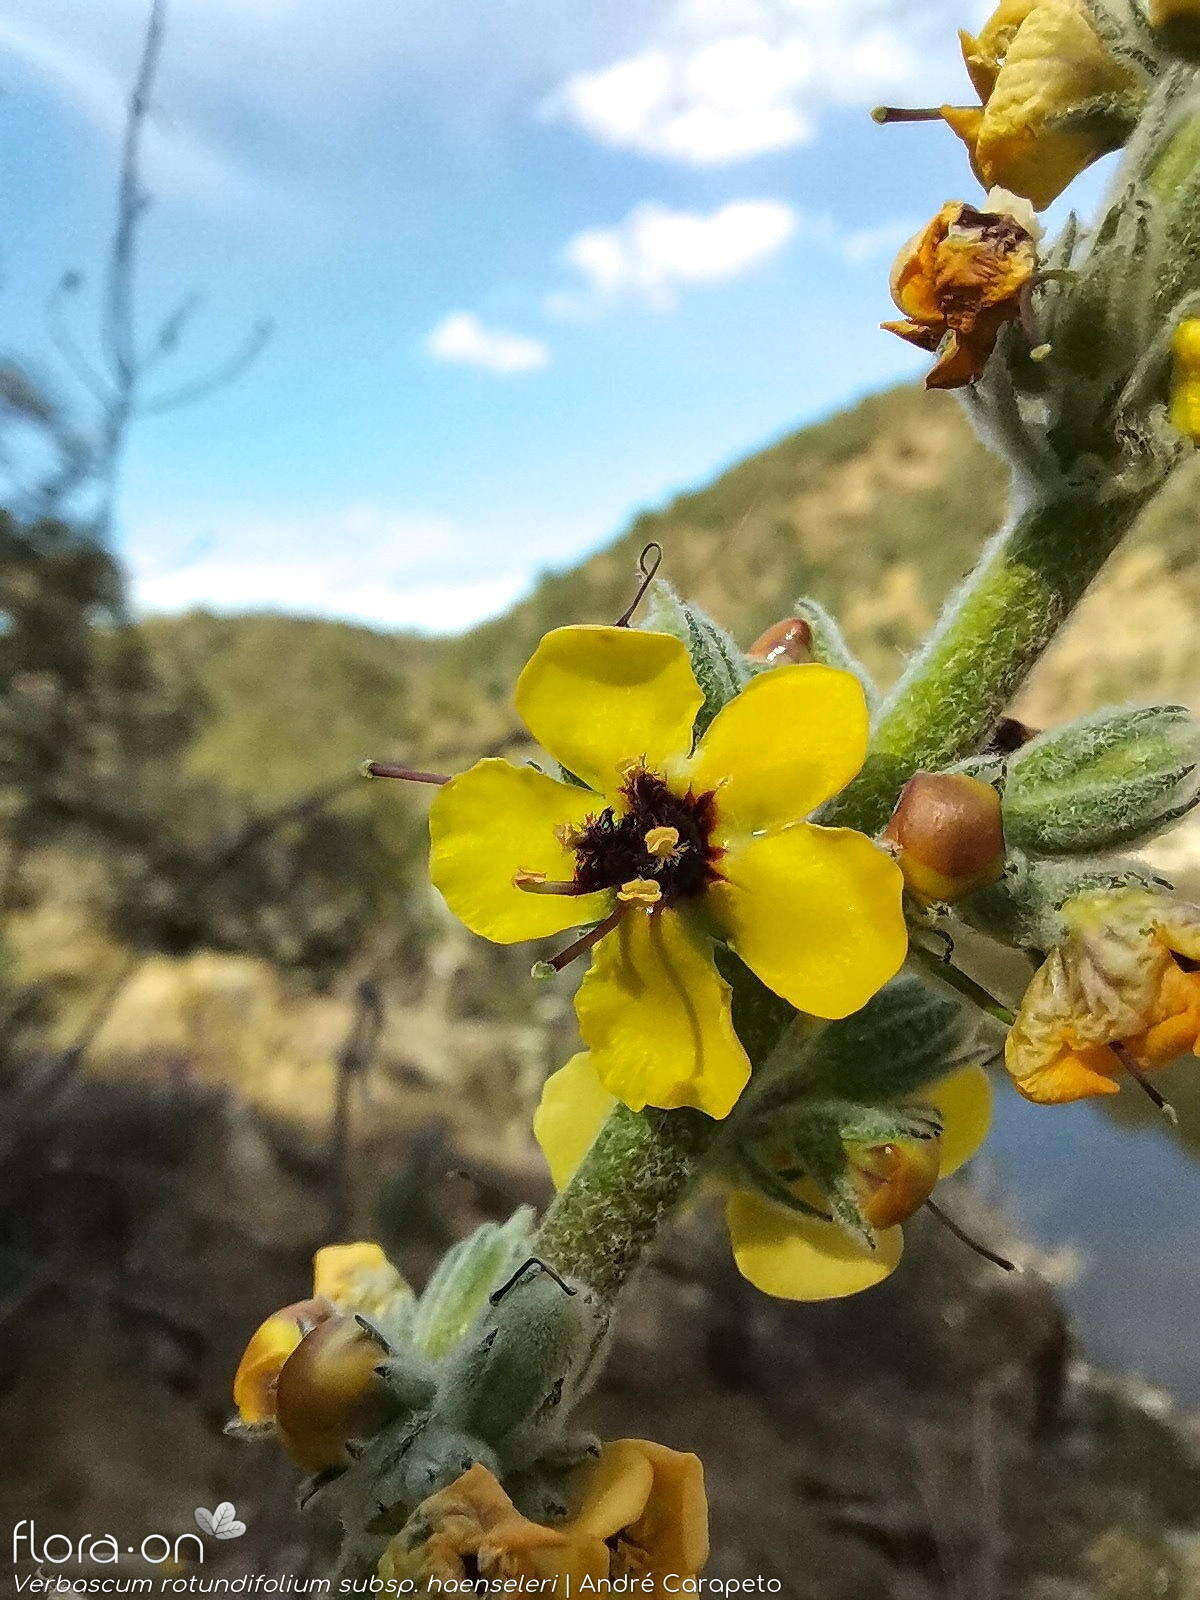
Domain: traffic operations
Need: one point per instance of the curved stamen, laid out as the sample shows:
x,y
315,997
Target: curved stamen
x,y
648,566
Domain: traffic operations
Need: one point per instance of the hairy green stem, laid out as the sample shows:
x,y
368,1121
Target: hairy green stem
x,y
991,635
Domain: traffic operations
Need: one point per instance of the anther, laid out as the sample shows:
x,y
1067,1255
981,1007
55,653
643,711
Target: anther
x,y
385,769
640,892
568,835
662,843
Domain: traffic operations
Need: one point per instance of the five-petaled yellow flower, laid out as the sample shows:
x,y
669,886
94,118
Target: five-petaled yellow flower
x,y
1047,82
640,1514
670,847
1124,978
780,1251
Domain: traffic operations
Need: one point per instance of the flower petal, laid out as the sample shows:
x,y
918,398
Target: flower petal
x,y
496,820
598,698
964,1101
615,1490
791,739
573,1107
800,1258
816,913
656,1016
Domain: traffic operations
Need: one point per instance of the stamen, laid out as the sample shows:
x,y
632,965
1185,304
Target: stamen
x,y
648,574
537,883
385,769
568,835
885,114
581,946
1152,1094
662,842
641,891
971,1244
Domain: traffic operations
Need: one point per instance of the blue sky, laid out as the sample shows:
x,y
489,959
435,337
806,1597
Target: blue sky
x,y
533,264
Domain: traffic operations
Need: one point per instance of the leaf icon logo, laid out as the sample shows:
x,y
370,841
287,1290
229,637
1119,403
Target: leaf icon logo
x,y
222,1523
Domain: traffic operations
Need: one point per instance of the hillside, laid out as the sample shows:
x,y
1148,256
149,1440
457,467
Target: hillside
x,y
876,512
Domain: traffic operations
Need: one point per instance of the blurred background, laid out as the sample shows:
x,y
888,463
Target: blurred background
x,y
342,352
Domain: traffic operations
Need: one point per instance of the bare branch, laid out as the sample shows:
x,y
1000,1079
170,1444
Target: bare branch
x,y
242,358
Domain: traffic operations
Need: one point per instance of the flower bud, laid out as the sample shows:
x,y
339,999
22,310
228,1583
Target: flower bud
x,y
786,641
894,1180
1177,24
948,835
270,1346
1185,386
1103,782
328,1392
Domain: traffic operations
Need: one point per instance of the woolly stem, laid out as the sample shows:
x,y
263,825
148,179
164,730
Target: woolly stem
x,y
991,635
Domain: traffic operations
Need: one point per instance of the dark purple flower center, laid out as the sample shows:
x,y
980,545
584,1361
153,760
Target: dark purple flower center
x,y
611,849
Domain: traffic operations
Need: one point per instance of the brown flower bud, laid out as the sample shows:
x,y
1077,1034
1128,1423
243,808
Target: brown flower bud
x,y
786,641
894,1180
329,1391
948,835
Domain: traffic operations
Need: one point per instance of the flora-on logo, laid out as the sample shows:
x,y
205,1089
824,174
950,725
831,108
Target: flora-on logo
x,y
29,1546
222,1523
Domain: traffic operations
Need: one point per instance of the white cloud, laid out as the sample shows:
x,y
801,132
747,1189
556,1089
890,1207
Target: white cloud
x,y
363,563
721,80
463,338
654,252
308,589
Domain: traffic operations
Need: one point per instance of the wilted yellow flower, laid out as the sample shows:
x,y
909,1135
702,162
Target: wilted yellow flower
x,y
472,1530
1051,93
780,1251
1125,975
961,279
358,1277
1185,389
647,1504
948,835
814,912
639,1511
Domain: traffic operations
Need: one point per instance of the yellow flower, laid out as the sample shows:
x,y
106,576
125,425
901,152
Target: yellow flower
x,y
647,1504
1123,978
815,912
309,1369
793,1256
473,1530
1047,82
1185,391
961,279
639,1512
